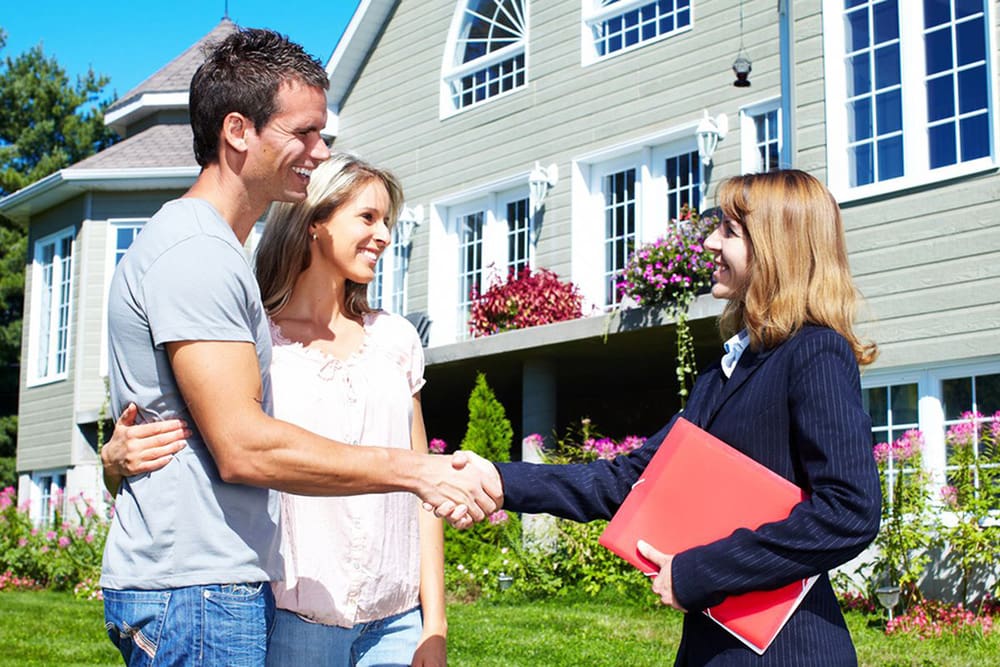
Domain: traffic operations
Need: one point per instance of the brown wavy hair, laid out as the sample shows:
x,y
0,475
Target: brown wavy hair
x,y
797,270
283,251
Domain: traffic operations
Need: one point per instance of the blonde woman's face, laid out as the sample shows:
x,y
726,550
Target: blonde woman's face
x,y
350,242
732,258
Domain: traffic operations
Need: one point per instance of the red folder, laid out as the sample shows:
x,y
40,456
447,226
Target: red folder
x,y
696,490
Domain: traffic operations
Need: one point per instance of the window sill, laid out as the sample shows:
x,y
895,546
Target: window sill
x,y
904,185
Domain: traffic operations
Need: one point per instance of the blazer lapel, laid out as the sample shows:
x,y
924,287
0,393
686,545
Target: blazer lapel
x,y
748,364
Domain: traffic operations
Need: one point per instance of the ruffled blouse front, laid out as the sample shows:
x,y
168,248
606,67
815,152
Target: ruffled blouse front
x,y
350,559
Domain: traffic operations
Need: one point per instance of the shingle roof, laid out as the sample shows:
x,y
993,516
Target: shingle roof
x,y
175,76
158,146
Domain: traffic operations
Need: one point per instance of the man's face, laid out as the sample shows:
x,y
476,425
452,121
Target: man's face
x,y
284,152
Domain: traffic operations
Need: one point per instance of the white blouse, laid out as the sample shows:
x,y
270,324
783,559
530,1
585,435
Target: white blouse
x,y
350,559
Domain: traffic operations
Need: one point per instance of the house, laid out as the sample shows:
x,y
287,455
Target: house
x,y
560,134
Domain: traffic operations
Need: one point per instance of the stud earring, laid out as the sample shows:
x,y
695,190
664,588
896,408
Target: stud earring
x,y
314,236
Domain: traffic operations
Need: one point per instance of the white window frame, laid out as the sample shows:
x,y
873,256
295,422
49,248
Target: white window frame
x,y
453,69
110,253
44,487
930,407
648,155
916,170
34,376
388,290
749,147
593,14
444,266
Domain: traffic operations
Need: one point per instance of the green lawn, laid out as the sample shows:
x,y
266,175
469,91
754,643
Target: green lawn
x,y
45,628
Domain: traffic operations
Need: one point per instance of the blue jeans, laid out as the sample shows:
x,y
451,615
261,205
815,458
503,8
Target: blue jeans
x,y
387,642
217,624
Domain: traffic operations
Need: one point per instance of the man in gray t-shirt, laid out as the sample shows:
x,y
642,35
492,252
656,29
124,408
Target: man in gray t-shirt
x,y
193,543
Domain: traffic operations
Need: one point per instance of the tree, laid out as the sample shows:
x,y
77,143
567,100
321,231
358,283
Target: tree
x,y
46,123
489,433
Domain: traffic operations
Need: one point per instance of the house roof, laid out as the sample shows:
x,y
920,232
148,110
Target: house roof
x,y
158,146
167,87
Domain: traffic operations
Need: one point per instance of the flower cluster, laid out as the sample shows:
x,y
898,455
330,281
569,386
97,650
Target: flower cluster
x,y
934,619
525,299
673,267
10,581
60,555
499,516
855,601
606,448
437,446
906,448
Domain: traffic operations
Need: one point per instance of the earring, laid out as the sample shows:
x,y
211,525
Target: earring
x,y
314,236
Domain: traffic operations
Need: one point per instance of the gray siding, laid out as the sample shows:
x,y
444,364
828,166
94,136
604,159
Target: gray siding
x,y
565,111
45,420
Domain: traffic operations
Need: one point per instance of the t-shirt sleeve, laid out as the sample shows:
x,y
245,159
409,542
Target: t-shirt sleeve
x,y
415,372
198,290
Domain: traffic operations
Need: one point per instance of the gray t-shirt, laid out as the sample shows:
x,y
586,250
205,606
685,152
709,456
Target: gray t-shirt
x,y
185,278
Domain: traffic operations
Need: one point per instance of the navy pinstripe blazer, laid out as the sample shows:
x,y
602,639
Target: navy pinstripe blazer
x,y
797,409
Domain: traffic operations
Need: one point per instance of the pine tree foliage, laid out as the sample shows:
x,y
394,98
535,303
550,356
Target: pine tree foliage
x,y
489,433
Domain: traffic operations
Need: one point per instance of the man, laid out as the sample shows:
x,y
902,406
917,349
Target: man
x,y
192,547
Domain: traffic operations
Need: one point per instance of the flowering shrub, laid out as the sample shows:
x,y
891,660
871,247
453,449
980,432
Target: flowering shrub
x,y
928,619
606,448
906,531
524,300
60,556
856,601
973,493
10,581
669,272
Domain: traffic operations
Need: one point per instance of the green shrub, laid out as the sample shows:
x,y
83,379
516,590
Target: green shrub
x,y
488,433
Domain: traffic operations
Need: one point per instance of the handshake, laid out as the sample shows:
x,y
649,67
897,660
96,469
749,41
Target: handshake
x,y
463,488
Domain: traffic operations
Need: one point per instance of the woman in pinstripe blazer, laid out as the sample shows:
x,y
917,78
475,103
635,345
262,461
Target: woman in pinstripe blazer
x,y
787,393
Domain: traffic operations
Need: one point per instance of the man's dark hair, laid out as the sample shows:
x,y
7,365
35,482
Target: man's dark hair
x,y
242,74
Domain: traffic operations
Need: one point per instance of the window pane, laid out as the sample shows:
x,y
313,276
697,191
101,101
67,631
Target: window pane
x,y
861,164
956,395
988,394
859,77
885,16
975,137
856,29
859,119
943,148
904,404
972,89
876,402
938,50
887,66
940,98
890,158
936,12
970,38
968,7
890,111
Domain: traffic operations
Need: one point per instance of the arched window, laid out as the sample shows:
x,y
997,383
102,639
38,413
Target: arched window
x,y
485,56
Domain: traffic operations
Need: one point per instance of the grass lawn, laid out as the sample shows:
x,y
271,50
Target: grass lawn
x,y
45,628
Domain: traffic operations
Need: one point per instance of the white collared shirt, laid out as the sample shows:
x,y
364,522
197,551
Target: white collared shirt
x,y
734,349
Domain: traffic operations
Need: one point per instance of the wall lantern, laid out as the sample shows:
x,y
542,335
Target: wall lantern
x,y
709,132
540,181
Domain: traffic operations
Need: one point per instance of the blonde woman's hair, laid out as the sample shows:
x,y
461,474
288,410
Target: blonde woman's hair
x,y
283,252
798,272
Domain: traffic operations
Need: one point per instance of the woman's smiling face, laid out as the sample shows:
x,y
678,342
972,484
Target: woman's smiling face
x,y
731,247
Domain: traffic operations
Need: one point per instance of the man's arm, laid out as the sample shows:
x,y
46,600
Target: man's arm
x,y
220,382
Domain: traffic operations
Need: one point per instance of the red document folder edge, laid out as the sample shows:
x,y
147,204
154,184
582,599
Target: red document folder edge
x,y
696,490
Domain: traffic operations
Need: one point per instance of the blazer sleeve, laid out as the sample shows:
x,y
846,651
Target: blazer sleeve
x,y
830,434
581,492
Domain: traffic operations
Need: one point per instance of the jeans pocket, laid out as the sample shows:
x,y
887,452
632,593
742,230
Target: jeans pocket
x,y
134,621
246,592
236,623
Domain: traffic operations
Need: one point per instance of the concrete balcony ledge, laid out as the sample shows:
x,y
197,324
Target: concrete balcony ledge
x,y
549,335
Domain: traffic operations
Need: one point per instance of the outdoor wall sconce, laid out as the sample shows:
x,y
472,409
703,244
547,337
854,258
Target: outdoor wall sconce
x,y
709,132
540,181
407,223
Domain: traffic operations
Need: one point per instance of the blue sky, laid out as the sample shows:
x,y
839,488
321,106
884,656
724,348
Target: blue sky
x,y
128,41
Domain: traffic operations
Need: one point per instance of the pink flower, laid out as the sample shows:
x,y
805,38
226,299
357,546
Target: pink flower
x,y
499,516
63,542
51,535
950,496
89,538
437,446
23,542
